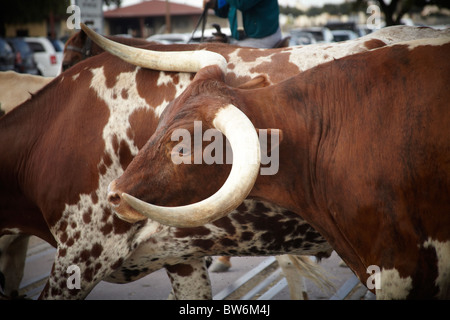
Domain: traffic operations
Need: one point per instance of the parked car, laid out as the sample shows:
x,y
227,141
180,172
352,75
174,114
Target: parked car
x,y
343,35
168,38
59,48
6,56
321,34
301,38
24,60
45,56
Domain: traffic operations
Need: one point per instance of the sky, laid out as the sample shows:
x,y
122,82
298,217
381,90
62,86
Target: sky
x,y
199,3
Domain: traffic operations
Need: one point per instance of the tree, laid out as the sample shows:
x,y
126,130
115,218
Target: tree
x,y
287,10
117,3
396,9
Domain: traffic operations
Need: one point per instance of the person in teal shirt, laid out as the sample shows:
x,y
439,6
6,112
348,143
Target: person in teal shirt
x,y
261,28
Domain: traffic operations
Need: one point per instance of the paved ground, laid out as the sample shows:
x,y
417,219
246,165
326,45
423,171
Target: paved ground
x,y
156,286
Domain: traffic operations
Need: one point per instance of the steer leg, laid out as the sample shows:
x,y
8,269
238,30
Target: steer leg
x,y
221,264
75,273
297,268
68,278
294,278
190,280
13,252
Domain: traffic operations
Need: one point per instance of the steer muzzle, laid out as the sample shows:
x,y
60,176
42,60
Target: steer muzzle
x,y
122,209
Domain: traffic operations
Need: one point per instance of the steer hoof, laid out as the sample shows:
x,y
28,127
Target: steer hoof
x,y
220,266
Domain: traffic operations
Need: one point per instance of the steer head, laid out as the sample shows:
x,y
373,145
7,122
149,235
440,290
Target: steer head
x,y
185,161
171,173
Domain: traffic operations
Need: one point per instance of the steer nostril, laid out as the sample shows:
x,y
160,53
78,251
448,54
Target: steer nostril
x,y
114,198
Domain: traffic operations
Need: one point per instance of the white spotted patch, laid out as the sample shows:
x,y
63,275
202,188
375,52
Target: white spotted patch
x,y
84,224
306,57
164,79
393,286
244,69
162,245
427,42
395,34
120,108
84,229
443,257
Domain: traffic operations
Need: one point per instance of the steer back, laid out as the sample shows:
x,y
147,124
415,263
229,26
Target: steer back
x,y
364,158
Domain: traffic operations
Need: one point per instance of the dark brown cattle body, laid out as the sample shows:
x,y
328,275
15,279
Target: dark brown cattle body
x,y
365,158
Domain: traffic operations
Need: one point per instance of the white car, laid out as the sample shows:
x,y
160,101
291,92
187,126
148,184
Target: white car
x,y
47,60
168,38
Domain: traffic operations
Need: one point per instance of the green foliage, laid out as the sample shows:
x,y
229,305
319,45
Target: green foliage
x,y
291,11
118,3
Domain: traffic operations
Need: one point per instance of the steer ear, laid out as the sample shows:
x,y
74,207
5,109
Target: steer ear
x,y
210,72
257,82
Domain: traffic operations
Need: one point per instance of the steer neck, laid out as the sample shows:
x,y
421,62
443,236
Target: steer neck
x,y
20,129
276,107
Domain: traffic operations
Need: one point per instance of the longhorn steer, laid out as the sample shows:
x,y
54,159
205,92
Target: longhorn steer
x,y
65,145
365,158
15,88
84,129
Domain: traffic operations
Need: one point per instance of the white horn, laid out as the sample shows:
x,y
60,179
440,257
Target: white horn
x,y
239,130
178,61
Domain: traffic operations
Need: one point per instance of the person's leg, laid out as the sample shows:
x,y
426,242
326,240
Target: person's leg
x,y
266,42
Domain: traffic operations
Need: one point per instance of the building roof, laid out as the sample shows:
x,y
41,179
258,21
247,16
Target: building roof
x,y
152,8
